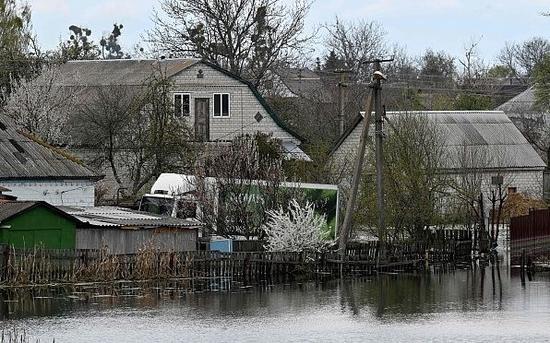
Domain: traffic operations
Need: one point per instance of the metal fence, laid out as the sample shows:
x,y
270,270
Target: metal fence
x,y
530,233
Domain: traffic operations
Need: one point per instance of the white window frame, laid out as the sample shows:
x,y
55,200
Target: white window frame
x,y
221,116
174,103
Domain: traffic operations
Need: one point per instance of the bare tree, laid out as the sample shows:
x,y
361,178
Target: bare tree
x,y
247,37
133,131
157,141
356,42
536,129
247,174
521,58
413,159
101,124
478,194
42,107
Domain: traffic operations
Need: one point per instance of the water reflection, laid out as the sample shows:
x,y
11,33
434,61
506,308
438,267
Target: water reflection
x,y
319,311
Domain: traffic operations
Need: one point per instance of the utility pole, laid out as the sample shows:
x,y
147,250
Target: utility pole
x,y
341,98
372,99
379,153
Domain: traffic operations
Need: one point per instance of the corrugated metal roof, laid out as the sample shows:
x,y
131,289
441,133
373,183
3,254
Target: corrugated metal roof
x,y
118,72
126,218
24,157
490,133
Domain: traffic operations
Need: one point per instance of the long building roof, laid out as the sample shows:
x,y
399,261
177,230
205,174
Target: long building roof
x,y
131,72
26,157
490,133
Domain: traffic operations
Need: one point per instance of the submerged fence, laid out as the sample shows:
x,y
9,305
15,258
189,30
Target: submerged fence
x,y
40,266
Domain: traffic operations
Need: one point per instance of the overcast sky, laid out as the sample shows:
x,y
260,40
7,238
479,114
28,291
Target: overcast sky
x,y
416,24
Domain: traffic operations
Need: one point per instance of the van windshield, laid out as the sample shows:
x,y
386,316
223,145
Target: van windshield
x,y
157,205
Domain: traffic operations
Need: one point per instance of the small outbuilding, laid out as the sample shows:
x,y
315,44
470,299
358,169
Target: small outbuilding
x,y
125,231
36,171
486,133
27,224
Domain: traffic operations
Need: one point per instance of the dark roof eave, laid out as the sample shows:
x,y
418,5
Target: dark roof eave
x,y
48,206
346,133
50,177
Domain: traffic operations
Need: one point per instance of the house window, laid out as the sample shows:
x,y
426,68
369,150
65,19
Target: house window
x,y
181,104
222,106
512,190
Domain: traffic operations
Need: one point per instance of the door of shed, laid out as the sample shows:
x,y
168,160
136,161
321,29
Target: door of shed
x,y
39,227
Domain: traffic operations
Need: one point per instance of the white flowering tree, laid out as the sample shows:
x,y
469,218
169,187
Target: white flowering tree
x,y
295,230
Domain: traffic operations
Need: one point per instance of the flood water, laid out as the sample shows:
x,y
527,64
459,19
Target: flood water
x,y
476,305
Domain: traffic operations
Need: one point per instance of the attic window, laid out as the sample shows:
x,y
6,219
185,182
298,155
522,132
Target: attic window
x,y
2,126
16,145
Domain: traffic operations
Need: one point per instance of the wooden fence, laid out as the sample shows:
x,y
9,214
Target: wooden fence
x,y
39,266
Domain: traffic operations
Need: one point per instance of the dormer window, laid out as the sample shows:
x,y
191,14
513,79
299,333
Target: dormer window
x,y
181,104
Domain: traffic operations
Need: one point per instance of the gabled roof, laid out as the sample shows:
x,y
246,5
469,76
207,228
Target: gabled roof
x,y
520,104
129,72
23,156
303,82
10,209
136,72
491,132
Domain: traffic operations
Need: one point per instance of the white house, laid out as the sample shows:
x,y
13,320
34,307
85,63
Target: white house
x,y
32,170
215,103
490,133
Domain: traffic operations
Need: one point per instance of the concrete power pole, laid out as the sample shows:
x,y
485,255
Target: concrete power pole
x,y
372,99
379,153
341,98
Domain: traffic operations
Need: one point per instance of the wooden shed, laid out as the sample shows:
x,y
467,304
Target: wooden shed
x,y
26,224
29,224
125,231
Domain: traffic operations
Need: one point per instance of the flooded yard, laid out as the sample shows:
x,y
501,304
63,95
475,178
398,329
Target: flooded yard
x,y
478,305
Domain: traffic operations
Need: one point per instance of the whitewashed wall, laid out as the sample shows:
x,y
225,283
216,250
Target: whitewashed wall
x,y
55,192
243,104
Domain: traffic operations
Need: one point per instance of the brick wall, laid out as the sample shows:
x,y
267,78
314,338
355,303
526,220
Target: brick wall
x,y
243,104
